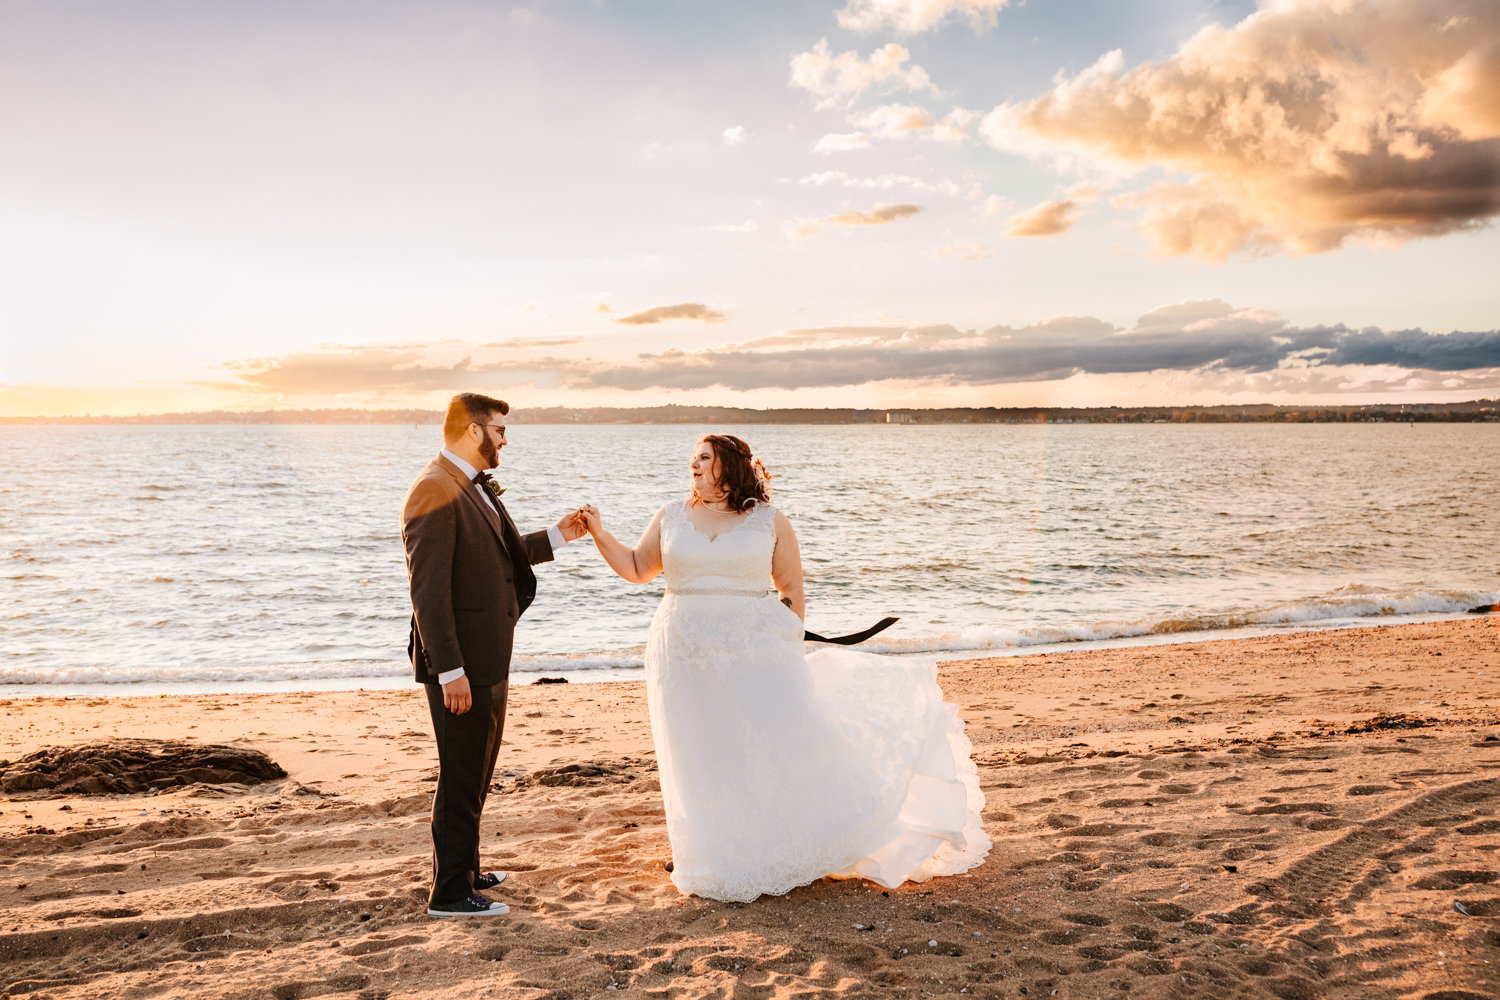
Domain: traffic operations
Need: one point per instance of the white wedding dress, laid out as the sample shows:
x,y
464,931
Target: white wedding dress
x,y
777,767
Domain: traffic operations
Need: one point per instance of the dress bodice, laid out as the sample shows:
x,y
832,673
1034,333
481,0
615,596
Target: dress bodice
x,y
737,560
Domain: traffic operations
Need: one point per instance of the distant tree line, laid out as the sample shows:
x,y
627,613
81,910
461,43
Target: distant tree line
x,y
1473,410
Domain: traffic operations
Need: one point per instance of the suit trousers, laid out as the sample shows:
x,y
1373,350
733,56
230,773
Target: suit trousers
x,y
467,747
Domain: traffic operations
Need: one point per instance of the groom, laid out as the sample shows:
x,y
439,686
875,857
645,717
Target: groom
x,y
471,578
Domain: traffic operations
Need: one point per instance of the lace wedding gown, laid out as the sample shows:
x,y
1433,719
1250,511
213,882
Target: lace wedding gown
x,y
777,767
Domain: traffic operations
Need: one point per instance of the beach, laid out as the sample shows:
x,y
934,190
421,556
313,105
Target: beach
x,y
1208,819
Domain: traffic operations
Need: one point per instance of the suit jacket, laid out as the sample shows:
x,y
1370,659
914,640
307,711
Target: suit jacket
x,y
470,574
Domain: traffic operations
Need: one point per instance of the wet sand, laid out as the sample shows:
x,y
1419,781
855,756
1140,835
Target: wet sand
x,y
1182,821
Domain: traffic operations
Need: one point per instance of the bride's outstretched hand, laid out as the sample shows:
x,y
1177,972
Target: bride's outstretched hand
x,y
638,565
591,520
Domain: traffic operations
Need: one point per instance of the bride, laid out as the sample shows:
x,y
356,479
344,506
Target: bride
x,y
778,767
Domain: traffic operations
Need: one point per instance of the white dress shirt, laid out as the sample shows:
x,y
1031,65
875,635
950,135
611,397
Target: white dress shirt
x,y
554,535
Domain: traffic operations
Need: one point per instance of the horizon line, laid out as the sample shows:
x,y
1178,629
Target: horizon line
x,y
421,412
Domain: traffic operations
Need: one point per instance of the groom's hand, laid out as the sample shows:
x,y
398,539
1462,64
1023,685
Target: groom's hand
x,y
457,698
572,526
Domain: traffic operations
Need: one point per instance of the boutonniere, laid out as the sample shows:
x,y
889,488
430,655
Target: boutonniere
x,y
495,488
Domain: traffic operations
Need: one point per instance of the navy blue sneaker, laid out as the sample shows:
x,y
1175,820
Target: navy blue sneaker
x,y
489,880
469,906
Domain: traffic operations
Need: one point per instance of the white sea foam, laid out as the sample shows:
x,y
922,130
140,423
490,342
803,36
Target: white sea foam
x,y
632,657
198,674
311,671
1347,602
1352,602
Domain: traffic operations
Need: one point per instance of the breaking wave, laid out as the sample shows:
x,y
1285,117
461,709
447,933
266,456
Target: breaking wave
x,y
1351,602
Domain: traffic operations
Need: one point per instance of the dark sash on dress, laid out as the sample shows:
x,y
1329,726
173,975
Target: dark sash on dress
x,y
849,640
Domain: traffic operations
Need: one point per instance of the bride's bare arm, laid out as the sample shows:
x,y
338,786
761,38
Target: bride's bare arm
x,y
638,565
786,567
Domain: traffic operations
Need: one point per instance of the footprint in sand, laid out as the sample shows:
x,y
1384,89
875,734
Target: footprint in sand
x,y
1478,907
1454,879
1169,912
1291,808
318,987
1483,826
1086,919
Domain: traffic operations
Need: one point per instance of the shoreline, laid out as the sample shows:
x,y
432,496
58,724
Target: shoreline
x,y
1203,816
399,678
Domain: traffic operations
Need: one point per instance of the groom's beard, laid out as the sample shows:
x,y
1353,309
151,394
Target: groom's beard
x,y
489,453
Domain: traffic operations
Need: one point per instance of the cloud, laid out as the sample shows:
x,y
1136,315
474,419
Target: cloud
x,y
882,182
994,205
735,136
1198,345
383,371
1209,338
964,251
1416,349
683,310
916,15
535,341
878,216
839,79
836,142
895,121
1307,124
899,121
748,226
1050,218
1189,315
331,346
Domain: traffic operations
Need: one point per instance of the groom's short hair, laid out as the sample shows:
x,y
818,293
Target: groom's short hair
x,y
470,408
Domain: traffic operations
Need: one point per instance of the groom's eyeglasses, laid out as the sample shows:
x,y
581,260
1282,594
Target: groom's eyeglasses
x,y
498,427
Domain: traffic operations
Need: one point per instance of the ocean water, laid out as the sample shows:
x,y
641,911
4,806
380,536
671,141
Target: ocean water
x,y
205,556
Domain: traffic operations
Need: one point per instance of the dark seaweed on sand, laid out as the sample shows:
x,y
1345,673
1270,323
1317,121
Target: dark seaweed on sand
x,y
127,765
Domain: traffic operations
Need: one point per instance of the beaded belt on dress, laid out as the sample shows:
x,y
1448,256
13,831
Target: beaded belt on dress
x,y
714,591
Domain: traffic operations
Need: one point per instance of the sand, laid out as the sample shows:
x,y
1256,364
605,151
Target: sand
x,y
1173,821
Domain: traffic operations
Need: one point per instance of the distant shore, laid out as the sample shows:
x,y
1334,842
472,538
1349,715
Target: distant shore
x,y
1298,815
1472,411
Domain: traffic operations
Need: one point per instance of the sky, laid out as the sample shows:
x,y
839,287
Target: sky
x,y
859,203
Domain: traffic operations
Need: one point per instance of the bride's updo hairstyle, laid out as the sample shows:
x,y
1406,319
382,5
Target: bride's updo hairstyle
x,y
742,478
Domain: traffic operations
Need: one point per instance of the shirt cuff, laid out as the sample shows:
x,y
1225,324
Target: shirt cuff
x,y
555,537
449,676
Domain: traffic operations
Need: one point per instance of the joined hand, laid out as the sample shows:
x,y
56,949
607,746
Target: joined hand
x,y
572,525
592,520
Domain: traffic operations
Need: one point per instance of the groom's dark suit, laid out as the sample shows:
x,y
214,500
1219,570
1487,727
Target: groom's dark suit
x,y
471,578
